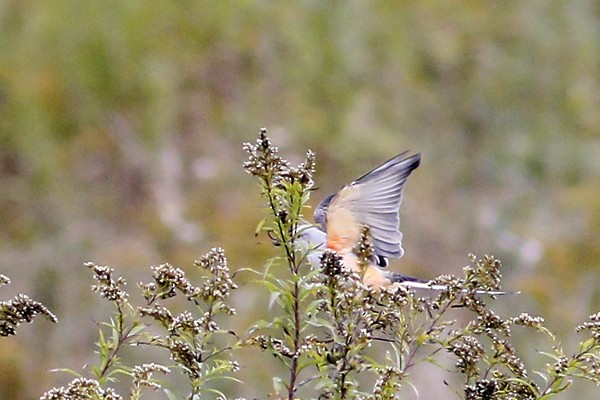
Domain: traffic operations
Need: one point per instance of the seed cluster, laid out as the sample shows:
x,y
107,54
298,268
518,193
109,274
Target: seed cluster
x,y
19,310
81,388
107,286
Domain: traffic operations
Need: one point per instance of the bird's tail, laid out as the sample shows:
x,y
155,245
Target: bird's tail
x,y
409,281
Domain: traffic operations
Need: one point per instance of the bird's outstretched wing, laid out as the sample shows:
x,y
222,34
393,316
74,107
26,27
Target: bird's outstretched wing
x,y
372,200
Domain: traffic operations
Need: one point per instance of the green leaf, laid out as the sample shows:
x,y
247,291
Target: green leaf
x,y
220,394
68,371
122,370
222,377
319,322
271,287
553,356
306,363
115,337
586,345
96,371
564,387
260,226
541,375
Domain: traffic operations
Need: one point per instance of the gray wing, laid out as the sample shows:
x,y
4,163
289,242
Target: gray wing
x,y
374,200
378,205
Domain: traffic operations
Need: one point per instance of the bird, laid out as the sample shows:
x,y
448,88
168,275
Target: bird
x,y
373,200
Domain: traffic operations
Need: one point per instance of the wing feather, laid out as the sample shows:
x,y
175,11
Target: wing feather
x,y
373,200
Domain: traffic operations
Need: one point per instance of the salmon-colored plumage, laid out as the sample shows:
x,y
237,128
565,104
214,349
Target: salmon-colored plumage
x,y
373,276
343,229
372,200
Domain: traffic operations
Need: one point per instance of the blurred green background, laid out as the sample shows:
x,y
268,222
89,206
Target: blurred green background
x,y
121,126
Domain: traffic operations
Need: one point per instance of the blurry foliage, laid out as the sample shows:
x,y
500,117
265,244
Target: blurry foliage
x,y
120,125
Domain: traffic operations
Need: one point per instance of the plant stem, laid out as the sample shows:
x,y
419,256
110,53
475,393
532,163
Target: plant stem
x,y
294,367
123,336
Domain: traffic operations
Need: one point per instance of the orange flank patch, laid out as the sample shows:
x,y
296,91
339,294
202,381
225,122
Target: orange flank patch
x,y
373,277
334,243
343,231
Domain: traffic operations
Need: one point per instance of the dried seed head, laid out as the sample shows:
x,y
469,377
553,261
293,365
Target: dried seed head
x,y
108,287
19,310
81,388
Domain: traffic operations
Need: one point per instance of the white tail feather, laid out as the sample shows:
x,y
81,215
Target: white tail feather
x,y
431,286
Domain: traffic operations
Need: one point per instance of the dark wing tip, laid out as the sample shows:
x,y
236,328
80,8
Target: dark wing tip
x,y
408,165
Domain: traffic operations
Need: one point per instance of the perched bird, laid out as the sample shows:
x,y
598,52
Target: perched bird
x,y
372,200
